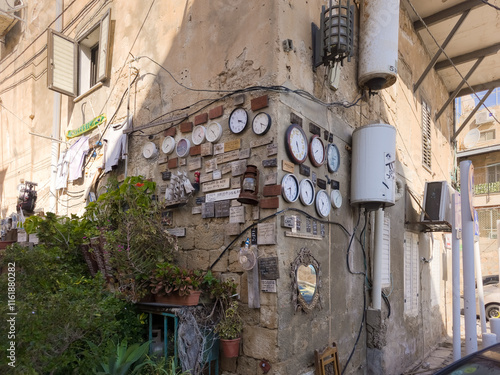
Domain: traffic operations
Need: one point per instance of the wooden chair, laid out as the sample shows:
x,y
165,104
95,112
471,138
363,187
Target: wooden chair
x,y
327,361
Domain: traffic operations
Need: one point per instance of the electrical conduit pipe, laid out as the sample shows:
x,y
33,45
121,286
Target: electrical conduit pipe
x,y
377,263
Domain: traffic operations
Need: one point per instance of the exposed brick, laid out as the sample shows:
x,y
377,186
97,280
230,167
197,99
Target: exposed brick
x,y
260,102
273,202
170,132
172,163
271,190
201,119
195,150
216,112
186,127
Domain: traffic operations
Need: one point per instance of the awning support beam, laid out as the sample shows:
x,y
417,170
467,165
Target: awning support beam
x,y
480,87
447,14
455,135
459,87
440,50
468,57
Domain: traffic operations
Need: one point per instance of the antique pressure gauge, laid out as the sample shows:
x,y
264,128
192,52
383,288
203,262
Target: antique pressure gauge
x,y
290,188
183,147
168,145
199,133
336,198
306,192
296,144
332,158
214,132
323,203
149,150
238,120
316,151
261,123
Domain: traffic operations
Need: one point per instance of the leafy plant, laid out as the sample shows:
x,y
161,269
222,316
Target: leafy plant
x,y
161,366
168,278
231,324
123,360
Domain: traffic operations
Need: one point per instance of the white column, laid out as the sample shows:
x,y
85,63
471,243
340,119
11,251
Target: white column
x,y
377,262
455,275
479,282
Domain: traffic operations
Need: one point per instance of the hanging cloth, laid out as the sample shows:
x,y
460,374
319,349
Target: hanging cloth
x,y
115,141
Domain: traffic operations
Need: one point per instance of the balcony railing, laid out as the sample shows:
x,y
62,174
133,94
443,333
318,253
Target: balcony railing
x,y
487,188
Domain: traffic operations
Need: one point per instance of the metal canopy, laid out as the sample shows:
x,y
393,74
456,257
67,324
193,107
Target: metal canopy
x,y
469,33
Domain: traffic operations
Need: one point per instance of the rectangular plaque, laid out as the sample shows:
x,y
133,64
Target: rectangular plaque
x,y
261,142
222,195
314,129
322,229
306,236
238,167
325,135
268,163
208,210
205,177
215,185
308,225
315,227
271,179
196,210
237,214
182,162
207,149
219,159
287,166
210,165
295,119
298,222
335,185
218,148
272,149
217,174
330,137
235,182
268,268
321,183
255,213
167,218
266,234
194,164
22,236
268,286
304,170
230,156
288,221
163,159
226,168
222,208
253,236
245,153
200,200
313,178
177,232
232,145
33,237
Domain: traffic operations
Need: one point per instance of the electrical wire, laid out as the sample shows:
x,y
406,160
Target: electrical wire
x,y
349,247
490,4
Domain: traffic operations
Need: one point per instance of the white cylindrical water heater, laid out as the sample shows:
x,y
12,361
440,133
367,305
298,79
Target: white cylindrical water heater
x,y
373,174
378,44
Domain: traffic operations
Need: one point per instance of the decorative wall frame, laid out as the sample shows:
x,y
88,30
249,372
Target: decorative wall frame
x,y
306,281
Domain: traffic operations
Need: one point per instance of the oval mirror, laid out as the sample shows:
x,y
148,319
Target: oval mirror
x,y
306,282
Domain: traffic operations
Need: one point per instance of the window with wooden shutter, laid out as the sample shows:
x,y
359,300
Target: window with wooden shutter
x,y
102,65
426,136
62,63
411,276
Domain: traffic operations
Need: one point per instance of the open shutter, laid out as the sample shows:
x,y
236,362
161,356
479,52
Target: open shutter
x,y
102,64
386,254
62,63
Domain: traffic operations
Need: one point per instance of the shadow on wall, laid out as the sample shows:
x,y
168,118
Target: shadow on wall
x,y
3,173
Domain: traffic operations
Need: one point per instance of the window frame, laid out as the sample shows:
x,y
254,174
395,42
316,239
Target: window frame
x,y
426,136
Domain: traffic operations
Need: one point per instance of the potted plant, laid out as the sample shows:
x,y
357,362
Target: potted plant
x,y
229,329
174,285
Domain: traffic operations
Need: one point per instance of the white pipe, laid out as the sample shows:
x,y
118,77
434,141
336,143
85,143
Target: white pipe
x,y
495,327
479,282
468,259
377,262
489,339
56,128
498,250
128,118
455,281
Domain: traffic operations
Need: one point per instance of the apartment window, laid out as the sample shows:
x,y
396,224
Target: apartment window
x,y
411,276
487,135
488,222
493,173
74,66
426,136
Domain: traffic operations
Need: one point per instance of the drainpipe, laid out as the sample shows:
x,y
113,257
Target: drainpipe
x,y
455,278
479,282
56,127
377,263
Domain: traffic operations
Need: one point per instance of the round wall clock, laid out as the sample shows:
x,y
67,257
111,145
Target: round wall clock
x,y
323,203
149,150
290,188
261,123
296,144
316,151
336,198
306,192
183,147
332,158
214,132
238,120
168,145
199,133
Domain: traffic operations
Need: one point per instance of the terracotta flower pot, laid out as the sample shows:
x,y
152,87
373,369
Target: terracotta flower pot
x,y
191,299
230,348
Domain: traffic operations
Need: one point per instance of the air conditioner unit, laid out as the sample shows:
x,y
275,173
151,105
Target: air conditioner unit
x,y
483,117
438,198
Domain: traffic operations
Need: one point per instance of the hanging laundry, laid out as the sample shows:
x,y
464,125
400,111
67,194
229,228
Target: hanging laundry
x,y
76,155
62,171
115,141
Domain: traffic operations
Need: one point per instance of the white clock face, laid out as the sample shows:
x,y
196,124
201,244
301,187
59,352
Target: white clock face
x,y
323,203
149,150
238,120
183,147
290,188
316,151
333,158
214,132
261,123
306,192
336,198
199,133
296,144
168,145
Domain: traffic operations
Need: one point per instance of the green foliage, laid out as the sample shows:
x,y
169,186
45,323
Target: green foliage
x,y
231,324
122,360
168,278
161,366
